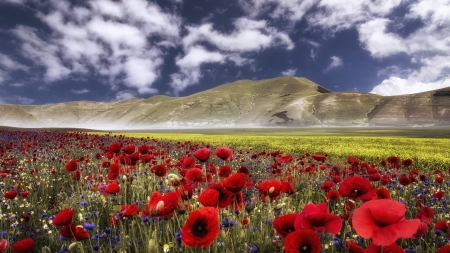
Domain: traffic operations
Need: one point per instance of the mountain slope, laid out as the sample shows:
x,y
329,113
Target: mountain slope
x,y
283,101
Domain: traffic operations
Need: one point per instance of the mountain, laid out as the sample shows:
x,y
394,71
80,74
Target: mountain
x,y
284,101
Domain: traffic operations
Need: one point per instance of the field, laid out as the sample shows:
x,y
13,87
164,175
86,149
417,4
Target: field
x,y
225,190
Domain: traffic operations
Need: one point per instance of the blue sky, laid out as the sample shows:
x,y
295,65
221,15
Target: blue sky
x,y
55,51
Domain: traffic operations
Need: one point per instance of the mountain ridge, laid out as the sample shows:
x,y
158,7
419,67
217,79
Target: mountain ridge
x,y
283,101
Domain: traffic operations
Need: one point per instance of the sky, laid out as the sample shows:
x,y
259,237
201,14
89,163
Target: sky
x,y
54,51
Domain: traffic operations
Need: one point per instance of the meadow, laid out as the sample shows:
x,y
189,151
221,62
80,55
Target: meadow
x,y
325,190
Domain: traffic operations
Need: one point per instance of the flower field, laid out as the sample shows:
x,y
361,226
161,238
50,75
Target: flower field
x,y
79,192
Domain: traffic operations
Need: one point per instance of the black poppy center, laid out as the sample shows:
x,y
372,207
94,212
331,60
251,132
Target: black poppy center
x,y
159,172
199,229
305,248
355,192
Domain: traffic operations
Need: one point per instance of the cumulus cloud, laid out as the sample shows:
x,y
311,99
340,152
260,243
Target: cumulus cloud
x,y
122,41
335,62
190,66
289,72
399,86
82,91
377,41
123,95
249,35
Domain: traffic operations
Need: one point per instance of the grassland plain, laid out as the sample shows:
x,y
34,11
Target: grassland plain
x,y
428,147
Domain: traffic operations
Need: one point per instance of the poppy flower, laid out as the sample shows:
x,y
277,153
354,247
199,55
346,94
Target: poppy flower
x,y
284,224
81,233
23,246
356,188
187,163
115,147
201,228
406,163
392,248
64,217
223,153
129,149
76,175
269,188
215,195
10,194
352,247
442,226
303,240
194,175
162,206
444,249
202,154
112,188
285,159
129,210
404,180
425,214
71,166
224,171
159,170
287,188
332,195
3,245
438,195
243,169
383,221
318,218
423,227
235,182
143,149
319,158
381,193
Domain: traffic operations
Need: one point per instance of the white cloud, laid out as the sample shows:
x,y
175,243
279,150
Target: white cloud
x,y
14,99
122,95
10,64
249,35
289,72
19,2
335,62
190,65
17,85
379,43
398,86
82,91
122,41
294,10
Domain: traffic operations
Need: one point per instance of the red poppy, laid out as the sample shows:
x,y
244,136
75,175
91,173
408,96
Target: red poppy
x,y
319,158
215,195
352,247
287,188
224,171
442,226
195,175
423,227
243,169
284,224
404,180
444,249
223,153
187,163
375,177
356,188
68,231
269,188
3,245
317,217
438,195
333,195
235,182
383,221
71,166
23,246
303,240
381,193
202,154
285,159
201,228
327,185
115,147
392,248
81,233
159,170
76,175
10,194
64,217
129,210
129,149
112,188
425,214
392,159
143,149
439,179
162,206
406,163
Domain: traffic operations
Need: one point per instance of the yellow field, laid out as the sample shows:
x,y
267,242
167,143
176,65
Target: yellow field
x,y
427,153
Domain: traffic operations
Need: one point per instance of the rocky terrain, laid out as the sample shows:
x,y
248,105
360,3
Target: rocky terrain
x,y
284,101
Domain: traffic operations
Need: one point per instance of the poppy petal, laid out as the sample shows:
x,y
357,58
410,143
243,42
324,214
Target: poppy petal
x,y
386,212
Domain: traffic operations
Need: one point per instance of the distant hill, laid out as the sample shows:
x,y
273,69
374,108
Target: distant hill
x,y
284,101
